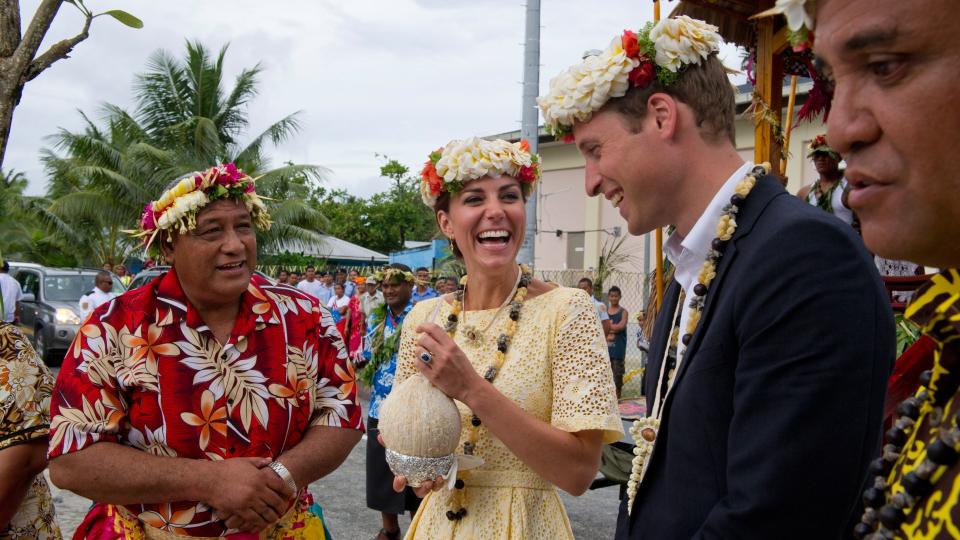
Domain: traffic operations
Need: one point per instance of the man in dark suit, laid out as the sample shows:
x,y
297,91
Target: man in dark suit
x,y
766,425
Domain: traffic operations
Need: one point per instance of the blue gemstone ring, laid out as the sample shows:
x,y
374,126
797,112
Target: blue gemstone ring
x,y
426,357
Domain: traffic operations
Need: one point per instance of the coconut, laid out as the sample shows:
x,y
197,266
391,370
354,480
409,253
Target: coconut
x,y
420,426
417,419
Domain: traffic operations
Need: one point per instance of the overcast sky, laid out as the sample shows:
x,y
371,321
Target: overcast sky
x,y
394,77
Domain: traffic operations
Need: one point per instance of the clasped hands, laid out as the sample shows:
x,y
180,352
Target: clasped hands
x,y
246,494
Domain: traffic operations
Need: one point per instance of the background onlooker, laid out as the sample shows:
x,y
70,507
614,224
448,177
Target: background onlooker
x,y
350,286
293,279
586,284
283,277
121,272
311,285
423,291
10,294
371,298
617,336
101,294
827,192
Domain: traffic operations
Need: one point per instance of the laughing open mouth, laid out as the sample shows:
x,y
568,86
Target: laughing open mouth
x,y
231,266
497,238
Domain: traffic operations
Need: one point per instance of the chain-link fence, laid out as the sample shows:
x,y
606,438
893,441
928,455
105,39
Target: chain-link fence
x,y
633,299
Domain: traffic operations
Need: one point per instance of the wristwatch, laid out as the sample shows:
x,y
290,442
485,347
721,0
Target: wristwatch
x,y
284,475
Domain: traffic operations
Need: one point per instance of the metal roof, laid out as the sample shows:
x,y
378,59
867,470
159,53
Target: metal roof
x,y
334,248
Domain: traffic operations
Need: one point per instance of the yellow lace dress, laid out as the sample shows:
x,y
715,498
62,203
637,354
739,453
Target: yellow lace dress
x,y
557,369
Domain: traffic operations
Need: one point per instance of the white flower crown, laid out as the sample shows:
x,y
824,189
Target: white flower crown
x,y
659,51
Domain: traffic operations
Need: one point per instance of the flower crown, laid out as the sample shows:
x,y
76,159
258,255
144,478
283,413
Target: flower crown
x,y
800,20
394,275
459,162
658,51
177,208
819,144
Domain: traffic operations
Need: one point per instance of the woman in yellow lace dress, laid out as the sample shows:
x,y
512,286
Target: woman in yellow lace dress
x,y
539,418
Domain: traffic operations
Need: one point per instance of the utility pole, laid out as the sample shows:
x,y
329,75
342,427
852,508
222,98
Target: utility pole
x,y
529,128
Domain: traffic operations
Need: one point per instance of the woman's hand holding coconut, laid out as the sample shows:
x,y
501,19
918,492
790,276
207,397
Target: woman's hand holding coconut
x,y
448,368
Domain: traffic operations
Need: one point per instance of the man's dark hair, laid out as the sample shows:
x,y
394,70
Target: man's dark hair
x,y
103,274
294,273
5,268
704,87
423,269
616,290
310,267
586,280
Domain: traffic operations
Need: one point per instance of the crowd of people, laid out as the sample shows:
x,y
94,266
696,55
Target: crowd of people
x,y
221,396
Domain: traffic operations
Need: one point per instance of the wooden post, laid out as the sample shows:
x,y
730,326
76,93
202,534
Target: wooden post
x,y
770,89
659,250
788,123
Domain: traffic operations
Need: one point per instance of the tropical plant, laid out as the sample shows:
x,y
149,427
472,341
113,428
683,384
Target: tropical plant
x,y
185,120
612,258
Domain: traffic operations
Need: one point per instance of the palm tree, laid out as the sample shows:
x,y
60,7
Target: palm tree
x,y
185,121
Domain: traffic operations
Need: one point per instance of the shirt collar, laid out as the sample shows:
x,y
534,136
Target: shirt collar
x,y
257,309
688,253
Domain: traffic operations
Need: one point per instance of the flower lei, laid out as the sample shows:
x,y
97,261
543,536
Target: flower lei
x,y
658,52
450,167
383,348
644,430
503,343
177,208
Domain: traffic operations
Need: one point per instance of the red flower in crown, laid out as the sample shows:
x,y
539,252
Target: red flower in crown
x,y
629,43
429,174
643,74
147,220
527,174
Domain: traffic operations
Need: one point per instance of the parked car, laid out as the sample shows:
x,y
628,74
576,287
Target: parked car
x,y
148,274
49,311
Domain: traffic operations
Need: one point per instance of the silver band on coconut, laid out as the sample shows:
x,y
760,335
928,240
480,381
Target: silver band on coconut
x,y
418,470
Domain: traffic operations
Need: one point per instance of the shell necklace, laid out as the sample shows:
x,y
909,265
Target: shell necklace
x,y
473,333
519,293
644,430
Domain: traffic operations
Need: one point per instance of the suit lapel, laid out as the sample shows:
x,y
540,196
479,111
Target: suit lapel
x,y
766,189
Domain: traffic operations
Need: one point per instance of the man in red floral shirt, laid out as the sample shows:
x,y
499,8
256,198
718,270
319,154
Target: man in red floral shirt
x,y
204,403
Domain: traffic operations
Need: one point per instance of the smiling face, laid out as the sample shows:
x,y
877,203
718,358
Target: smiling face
x,y
627,168
486,219
895,119
215,260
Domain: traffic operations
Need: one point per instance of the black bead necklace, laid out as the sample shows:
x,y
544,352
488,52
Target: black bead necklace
x,y
885,512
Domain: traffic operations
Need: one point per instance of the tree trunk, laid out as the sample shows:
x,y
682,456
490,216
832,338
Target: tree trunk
x,y
9,97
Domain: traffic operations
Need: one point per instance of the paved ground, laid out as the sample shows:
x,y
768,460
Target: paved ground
x,y
593,515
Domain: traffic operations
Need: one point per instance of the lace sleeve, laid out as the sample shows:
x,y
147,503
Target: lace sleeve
x,y
584,396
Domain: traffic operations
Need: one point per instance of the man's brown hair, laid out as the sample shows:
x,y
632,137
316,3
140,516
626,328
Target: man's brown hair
x,y
703,87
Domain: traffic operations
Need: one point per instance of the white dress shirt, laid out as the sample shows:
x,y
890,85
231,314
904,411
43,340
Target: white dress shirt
x,y
688,253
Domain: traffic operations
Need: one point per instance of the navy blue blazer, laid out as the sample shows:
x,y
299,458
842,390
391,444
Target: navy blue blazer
x,y
777,408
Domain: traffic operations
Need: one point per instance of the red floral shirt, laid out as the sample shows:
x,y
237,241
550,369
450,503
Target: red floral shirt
x,y
144,371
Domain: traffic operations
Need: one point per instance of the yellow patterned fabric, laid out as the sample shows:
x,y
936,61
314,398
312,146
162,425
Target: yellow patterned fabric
x,y
25,387
298,524
557,369
936,308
